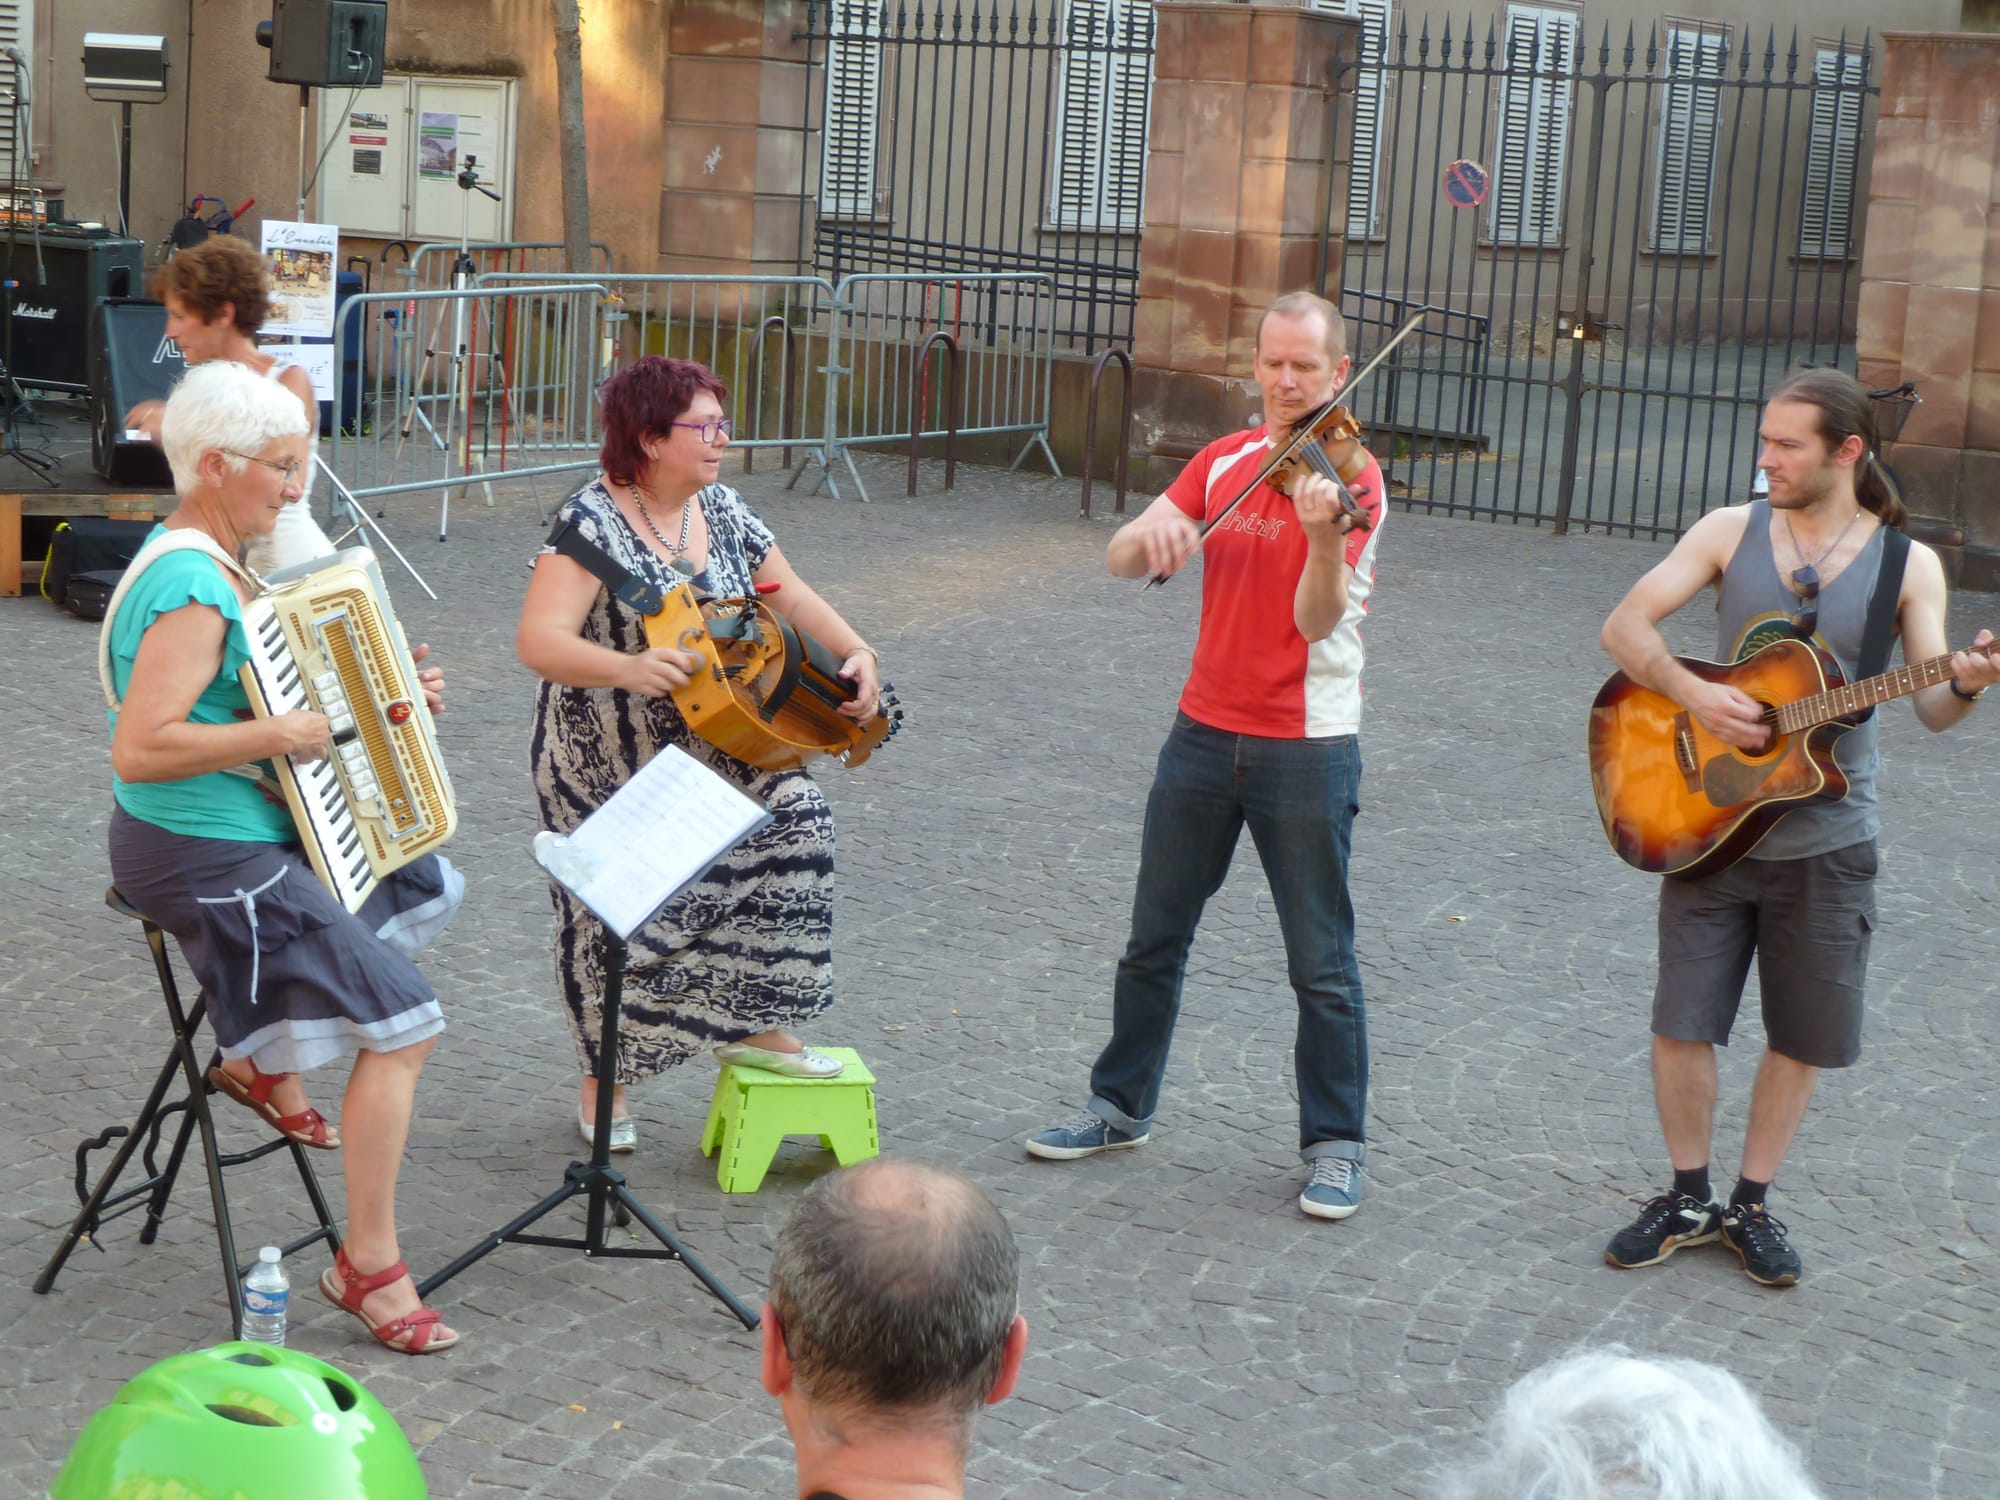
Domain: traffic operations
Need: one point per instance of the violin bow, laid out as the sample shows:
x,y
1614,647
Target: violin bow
x,y
1301,435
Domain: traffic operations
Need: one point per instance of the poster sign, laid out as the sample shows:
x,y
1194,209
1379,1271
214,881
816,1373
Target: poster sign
x,y
302,259
315,359
437,144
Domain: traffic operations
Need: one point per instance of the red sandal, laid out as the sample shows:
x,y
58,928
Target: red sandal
x,y
308,1127
345,1288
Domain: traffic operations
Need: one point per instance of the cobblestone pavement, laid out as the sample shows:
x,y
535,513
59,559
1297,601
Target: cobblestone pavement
x,y
1193,1334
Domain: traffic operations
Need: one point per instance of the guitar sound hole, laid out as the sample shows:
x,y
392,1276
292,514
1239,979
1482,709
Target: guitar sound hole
x,y
1770,751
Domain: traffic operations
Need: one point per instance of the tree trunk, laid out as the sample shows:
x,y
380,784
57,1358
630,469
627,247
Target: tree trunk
x,y
575,200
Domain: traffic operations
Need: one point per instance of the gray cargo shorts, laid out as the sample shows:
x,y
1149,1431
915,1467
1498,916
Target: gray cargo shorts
x,y
1808,921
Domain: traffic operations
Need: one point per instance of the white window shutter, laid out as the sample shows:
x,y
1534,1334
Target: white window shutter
x,y
1684,163
853,110
1103,111
1370,89
17,29
1826,213
1532,144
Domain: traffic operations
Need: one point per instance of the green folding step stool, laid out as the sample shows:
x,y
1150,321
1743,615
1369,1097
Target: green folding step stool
x,y
753,1110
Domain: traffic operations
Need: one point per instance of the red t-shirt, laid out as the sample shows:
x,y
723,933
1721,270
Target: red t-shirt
x,y
1253,672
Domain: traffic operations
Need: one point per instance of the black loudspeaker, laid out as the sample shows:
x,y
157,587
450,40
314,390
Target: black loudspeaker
x,y
131,360
52,317
328,43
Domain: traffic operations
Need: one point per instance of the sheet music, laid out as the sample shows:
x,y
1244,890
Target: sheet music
x,y
658,832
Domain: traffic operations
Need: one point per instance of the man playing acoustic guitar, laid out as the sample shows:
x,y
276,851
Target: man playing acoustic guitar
x,y
1803,564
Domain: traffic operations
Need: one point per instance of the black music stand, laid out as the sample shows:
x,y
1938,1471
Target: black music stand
x,y
597,1179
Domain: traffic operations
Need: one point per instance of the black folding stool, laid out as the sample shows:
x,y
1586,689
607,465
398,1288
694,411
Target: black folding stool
x,y
101,1204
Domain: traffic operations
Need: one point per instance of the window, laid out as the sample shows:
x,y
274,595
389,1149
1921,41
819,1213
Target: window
x,y
1826,215
848,144
1103,105
1684,163
17,29
1536,100
393,155
1370,85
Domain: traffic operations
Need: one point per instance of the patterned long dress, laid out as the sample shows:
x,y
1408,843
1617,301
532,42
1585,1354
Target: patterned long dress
x,y
748,947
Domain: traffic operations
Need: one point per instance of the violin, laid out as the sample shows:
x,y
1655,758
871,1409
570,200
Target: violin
x,y
1326,441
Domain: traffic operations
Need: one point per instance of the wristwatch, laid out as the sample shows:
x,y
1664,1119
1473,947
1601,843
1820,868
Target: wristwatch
x,y
1961,694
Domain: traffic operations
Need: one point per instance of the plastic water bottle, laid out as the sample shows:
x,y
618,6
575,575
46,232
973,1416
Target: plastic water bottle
x,y
265,1294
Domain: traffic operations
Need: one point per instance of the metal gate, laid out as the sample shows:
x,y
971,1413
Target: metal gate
x,y
1622,246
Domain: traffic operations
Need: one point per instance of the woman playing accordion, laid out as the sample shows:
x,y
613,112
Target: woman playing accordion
x,y
293,980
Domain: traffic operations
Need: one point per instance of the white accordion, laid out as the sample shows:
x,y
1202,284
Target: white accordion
x,y
323,637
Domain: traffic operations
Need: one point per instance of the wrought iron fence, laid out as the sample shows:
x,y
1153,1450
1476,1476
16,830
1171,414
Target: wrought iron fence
x,y
1624,246
986,136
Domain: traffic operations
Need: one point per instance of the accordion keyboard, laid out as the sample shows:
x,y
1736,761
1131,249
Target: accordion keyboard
x,y
327,641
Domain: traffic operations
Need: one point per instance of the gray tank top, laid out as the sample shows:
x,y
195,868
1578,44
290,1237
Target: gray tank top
x,y
1754,608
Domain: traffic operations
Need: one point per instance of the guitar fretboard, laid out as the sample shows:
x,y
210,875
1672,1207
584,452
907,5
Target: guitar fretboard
x,y
1843,702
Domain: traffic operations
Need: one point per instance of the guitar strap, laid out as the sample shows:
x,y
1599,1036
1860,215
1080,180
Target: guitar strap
x,y
1880,625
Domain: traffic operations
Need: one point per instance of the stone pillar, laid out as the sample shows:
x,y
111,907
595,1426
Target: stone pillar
x,y
737,86
1236,198
1930,287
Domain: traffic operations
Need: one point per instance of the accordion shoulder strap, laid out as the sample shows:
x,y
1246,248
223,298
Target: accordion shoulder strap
x,y
181,539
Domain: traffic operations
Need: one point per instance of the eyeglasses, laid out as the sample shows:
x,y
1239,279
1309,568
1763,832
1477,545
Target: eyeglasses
x,y
1806,621
721,427
291,470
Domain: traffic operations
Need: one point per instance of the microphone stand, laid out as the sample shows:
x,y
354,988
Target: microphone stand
x,y
15,398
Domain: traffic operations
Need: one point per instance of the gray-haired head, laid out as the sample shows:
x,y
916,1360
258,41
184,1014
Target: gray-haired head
x,y
896,1284
219,406
1604,1424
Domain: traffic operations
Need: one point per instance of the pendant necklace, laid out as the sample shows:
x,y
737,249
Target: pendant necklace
x,y
1813,566
678,561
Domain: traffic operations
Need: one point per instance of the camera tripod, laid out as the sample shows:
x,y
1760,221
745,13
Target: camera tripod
x,y
464,275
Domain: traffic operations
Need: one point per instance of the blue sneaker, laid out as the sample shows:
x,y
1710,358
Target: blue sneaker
x,y
1086,1134
1334,1189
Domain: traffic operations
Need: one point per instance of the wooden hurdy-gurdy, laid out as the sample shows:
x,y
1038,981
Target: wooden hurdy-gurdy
x,y
323,637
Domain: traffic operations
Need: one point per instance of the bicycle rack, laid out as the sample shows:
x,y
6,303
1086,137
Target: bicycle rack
x,y
917,370
1090,429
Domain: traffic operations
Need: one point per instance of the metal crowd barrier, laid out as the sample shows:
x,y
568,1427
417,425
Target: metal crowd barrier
x,y
747,329
428,266
439,385
1003,324
461,386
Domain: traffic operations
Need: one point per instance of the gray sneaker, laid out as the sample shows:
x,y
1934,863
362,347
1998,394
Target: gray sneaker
x,y
1086,1134
1333,1191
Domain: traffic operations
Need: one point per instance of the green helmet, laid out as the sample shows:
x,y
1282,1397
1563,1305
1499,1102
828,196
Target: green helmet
x,y
241,1422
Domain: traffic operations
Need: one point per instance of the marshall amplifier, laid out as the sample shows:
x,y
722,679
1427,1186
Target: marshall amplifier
x,y
131,360
52,316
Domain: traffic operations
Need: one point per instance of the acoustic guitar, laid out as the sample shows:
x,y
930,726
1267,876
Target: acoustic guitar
x,y
1675,800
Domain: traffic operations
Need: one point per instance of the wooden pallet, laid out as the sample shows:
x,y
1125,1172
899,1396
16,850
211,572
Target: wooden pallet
x,y
18,574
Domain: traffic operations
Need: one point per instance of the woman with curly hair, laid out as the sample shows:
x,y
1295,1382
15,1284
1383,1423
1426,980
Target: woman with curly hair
x,y
218,294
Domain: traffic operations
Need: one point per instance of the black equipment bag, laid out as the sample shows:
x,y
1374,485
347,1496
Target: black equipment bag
x,y
90,544
90,593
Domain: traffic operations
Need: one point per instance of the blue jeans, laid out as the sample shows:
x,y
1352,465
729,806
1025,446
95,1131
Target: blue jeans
x,y
1299,798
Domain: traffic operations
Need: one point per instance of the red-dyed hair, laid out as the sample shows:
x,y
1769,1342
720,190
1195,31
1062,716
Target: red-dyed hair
x,y
642,401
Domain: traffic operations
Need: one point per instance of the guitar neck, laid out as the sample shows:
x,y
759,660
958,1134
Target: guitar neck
x,y
1844,702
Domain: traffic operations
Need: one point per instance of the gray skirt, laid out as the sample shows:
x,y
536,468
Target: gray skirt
x,y
293,979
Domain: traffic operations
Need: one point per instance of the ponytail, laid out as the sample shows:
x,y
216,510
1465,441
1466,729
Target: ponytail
x,y
1876,488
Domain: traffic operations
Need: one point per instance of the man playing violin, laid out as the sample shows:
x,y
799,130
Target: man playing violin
x,y
1266,736
1807,563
